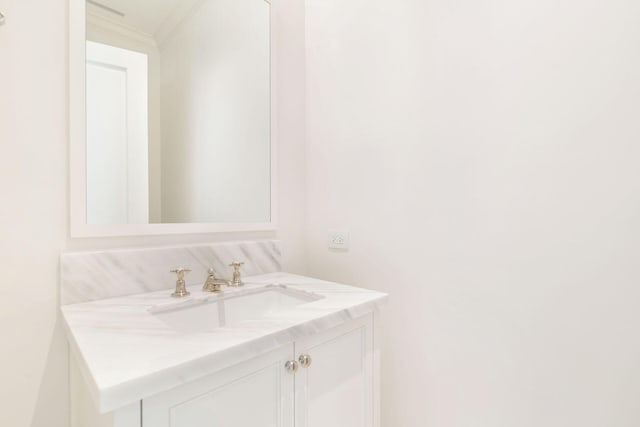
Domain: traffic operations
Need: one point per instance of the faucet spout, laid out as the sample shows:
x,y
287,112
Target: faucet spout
x,y
213,283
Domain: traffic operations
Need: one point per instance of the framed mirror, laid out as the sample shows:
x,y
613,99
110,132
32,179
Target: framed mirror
x,y
171,117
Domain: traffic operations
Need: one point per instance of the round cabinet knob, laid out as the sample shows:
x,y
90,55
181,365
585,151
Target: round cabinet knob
x,y
291,366
305,360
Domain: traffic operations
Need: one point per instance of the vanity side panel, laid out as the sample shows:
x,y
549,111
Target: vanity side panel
x,y
85,414
376,369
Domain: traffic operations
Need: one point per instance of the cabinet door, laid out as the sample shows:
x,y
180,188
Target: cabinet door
x,y
336,389
257,393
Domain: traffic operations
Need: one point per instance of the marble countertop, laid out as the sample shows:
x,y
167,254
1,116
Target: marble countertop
x,y
126,353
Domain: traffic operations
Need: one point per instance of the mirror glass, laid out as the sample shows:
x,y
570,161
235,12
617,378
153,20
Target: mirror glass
x,y
178,120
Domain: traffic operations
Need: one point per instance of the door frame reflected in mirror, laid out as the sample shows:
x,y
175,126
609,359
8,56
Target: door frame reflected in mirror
x,y
77,159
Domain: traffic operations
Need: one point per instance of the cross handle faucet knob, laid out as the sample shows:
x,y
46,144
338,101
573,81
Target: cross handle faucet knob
x,y
236,280
181,286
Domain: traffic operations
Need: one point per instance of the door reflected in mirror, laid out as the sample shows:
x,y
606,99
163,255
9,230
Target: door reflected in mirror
x,y
178,111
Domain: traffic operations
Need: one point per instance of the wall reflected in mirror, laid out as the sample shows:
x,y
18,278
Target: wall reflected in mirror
x,y
178,111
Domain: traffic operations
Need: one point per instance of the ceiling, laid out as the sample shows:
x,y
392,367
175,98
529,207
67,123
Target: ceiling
x,y
146,16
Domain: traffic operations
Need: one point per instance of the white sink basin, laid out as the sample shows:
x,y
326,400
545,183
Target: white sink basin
x,y
229,311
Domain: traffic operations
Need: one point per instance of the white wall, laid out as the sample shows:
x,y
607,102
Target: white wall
x,y
485,157
215,115
34,190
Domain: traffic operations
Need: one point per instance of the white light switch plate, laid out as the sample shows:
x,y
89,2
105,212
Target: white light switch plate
x,y
338,239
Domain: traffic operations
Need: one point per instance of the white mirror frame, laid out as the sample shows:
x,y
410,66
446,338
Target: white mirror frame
x,y
77,161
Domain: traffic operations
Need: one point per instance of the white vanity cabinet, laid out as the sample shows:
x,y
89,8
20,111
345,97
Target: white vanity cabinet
x,y
256,393
337,388
331,383
288,351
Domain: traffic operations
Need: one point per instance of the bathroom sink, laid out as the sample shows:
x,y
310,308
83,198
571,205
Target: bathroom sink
x,y
203,316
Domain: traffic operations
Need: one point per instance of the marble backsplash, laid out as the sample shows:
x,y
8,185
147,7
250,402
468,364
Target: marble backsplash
x,y
89,276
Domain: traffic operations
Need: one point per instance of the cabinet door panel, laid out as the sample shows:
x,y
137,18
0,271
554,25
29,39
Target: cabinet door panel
x,y
257,393
337,389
